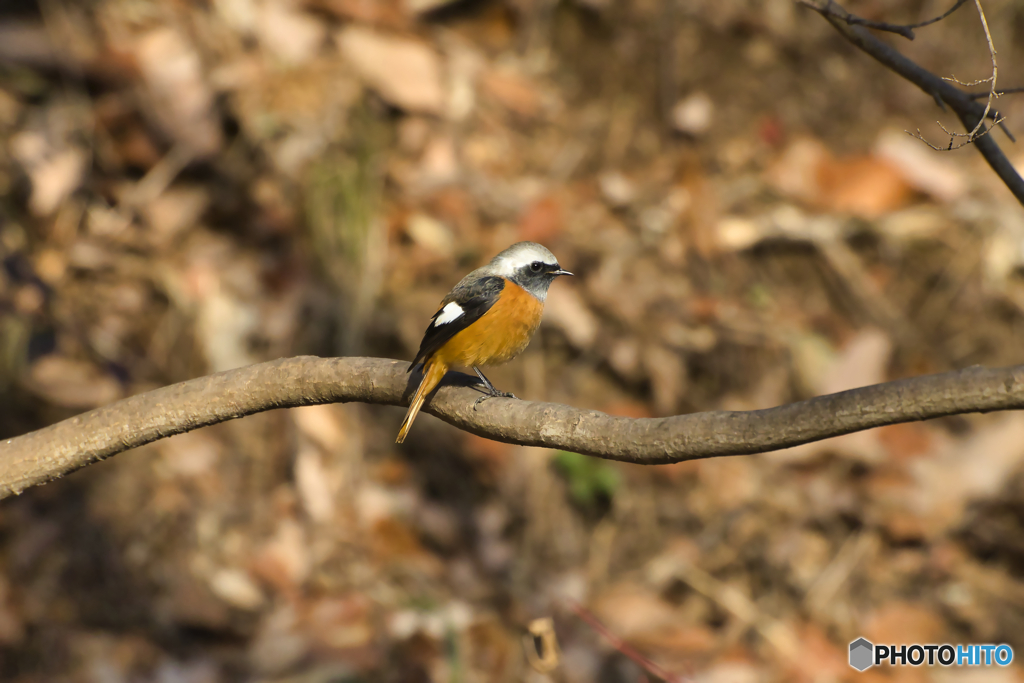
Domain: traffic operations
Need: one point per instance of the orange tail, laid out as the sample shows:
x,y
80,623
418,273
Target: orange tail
x,y
434,371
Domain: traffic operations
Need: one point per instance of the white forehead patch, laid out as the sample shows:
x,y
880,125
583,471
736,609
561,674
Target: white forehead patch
x,y
451,312
522,254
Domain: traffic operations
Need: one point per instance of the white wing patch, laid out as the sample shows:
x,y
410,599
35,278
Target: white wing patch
x,y
449,313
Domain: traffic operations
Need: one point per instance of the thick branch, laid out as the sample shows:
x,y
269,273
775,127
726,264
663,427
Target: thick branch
x,y
62,448
970,112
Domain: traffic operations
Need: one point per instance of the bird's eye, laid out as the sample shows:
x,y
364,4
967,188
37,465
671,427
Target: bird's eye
x,y
536,266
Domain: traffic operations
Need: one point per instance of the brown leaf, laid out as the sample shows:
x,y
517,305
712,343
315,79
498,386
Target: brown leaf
x,y
542,221
380,13
340,624
906,440
54,173
182,101
694,114
294,37
820,659
629,609
236,588
406,73
862,361
865,185
316,486
72,383
284,561
905,622
934,174
174,211
491,649
12,627
566,311
513,92
963,471
493,455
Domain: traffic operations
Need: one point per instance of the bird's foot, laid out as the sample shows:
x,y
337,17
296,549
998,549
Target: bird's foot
x,y
491,391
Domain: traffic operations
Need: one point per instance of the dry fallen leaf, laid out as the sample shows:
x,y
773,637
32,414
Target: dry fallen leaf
x,y
175,211
54,173
313,483
430,233
868,186
284,562
694,114
182,101
862,361
513,92
194,454
234,587
542,220
406,73
567,311
339,623
72,383
934,174
904,622
966,470
629,609
293,36
12,626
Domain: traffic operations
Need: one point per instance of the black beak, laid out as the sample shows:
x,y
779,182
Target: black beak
x,y
560,272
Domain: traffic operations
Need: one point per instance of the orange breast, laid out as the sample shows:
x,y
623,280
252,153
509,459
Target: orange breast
x,y
500,334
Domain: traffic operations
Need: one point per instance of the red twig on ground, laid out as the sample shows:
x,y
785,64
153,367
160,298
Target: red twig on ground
x,y
624,647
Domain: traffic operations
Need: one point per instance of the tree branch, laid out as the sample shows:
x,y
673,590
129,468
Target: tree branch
x,y
906,30
60,449
971,113
999,93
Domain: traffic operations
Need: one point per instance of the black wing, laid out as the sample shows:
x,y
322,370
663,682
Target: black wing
x,y
474,299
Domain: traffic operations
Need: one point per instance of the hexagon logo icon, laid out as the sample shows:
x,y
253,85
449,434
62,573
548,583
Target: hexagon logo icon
x,y
861,654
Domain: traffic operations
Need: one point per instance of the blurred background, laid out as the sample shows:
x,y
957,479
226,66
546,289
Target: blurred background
x,y
188,187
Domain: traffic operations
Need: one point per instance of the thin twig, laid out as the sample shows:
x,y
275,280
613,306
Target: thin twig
x,y
999,93
905,30
953,135
622,646
995,72
737,603
979,129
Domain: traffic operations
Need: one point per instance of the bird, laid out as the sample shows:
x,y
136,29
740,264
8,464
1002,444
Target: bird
x,y
488,318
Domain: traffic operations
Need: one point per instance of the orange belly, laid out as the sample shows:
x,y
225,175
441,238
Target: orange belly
x,y
500,334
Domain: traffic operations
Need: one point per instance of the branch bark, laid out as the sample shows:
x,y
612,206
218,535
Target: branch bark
x,y
60,449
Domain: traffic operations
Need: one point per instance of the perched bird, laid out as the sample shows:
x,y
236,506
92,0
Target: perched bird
x,y
487,319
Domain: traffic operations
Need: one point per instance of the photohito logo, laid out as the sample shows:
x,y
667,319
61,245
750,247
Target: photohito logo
x,y
864,654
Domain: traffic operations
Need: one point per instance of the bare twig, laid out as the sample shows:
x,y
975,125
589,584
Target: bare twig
x,y
999,93
991,80
823,591
953,135
734,601
60,449
905,30
970,112
622,646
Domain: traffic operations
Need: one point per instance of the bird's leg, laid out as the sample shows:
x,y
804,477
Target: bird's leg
x,y
491,391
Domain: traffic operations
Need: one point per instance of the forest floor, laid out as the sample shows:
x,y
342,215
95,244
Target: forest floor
x,y
191,187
